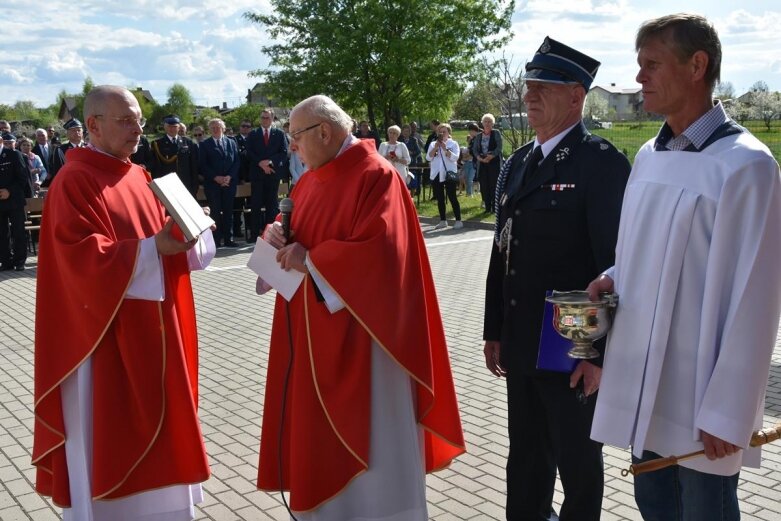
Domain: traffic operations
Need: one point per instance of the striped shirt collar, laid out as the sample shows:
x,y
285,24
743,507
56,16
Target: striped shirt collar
x,y
695,134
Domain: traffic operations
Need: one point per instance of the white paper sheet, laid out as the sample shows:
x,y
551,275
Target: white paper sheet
x,y
263,261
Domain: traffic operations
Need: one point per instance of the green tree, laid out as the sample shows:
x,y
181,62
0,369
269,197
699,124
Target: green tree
x,y
6,112
203,117
388,59
25,110
242,112
147,107
180,102
481,98
87,86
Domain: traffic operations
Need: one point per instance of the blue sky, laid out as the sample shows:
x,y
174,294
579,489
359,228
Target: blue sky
x,y
209,47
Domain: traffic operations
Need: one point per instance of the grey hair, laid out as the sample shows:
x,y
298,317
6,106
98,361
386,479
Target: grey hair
x,y
324,108
217,120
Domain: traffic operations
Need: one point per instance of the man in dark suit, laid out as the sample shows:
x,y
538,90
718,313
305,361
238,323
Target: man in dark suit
x,y
238,204
366,132
558,205
267,153
143,155
219,162
175,153
42,148
75,132
13,182
54,136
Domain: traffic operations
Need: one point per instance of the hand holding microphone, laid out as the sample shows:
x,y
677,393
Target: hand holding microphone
x,y
278,234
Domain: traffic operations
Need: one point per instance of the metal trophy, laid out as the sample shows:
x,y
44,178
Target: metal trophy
x,y
581,320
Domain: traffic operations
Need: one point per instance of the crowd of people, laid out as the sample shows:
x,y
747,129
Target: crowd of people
x,y
219,160
358,406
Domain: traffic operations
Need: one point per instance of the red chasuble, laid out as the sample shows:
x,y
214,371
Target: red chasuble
x,y
146,433
358,222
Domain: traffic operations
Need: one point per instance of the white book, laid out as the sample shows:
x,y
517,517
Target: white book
x,y
181,205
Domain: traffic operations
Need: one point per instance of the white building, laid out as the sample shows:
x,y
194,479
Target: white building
x,y
624,103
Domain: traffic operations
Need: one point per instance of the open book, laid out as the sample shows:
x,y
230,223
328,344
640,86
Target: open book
x,y
182,206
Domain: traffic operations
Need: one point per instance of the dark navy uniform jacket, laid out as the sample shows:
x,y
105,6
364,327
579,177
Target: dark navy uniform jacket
x,y
13,177
564,229
180,157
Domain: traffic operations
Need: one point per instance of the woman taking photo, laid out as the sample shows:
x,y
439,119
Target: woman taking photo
x,y
442,156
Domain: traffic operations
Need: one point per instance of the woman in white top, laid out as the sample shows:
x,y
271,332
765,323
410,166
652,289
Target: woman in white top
x,y
442,156
396,152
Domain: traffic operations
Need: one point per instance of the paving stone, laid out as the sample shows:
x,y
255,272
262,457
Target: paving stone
x,y
232,376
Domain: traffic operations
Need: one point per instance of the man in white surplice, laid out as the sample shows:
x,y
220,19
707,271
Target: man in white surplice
x,y
698,275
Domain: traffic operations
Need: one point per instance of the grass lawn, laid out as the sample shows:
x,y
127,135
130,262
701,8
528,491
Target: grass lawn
x,y
626,136
470,207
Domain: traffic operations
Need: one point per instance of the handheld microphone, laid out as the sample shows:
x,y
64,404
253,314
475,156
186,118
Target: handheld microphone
x,y
286,209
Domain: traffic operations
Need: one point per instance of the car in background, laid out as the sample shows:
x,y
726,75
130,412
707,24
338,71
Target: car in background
x,y
461,124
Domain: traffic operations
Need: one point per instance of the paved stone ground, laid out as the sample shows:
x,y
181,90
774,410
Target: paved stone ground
x,y
234,326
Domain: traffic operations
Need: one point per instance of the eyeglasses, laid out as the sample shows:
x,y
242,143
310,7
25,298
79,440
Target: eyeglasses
x,y
294,135
127,122
198,135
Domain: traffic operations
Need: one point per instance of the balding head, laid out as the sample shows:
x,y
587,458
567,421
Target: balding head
x,y
318,128
323,108
96,100
113,118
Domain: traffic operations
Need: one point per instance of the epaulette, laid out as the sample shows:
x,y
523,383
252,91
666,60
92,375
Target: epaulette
x,y
517,151
598,142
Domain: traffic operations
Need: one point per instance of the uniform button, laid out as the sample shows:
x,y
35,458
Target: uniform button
x,y
512,302
512,271
553,203
517,212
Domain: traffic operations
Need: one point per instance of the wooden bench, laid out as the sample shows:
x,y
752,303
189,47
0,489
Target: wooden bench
x,y
32,224
244,191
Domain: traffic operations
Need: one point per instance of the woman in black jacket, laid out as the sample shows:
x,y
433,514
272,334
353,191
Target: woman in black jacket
x,y
487,149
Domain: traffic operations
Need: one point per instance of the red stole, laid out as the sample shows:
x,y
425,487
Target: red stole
x,y
358,222
144,354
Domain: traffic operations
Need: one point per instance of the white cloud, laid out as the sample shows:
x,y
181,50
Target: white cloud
x,y
18,77
210,47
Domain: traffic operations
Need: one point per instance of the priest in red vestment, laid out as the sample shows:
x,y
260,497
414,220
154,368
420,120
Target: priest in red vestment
x,y
360,378
116,377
